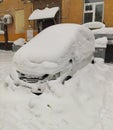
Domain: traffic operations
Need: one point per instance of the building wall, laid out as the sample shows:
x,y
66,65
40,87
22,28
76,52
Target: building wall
x,y
20,13
71,12
108,13
9,7
40,4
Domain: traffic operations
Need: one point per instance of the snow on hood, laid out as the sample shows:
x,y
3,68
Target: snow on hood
x,y
44,13
55,45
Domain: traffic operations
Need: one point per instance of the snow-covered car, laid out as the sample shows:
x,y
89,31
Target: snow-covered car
x,y
55,53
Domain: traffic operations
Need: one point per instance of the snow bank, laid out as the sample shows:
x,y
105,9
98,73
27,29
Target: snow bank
x,y
77,105
44,13
5,63
101,42
82,103
94,25
20,42
107,30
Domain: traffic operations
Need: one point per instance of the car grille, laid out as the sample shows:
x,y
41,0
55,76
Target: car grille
x,y
43,78
29,79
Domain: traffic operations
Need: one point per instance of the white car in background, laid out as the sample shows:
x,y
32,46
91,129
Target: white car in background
x,y
55,53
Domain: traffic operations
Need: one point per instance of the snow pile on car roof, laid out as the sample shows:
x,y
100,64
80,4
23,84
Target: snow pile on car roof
x,y
54,44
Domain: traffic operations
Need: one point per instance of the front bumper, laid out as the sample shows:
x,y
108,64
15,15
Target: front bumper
x,y
36,84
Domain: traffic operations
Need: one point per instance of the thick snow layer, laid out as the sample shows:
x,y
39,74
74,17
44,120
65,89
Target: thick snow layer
x,y
101,42
94,25
55,44
107,30
82,103
44,13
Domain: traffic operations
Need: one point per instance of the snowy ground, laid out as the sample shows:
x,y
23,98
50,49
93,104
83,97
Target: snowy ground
x,y
84,103
5,63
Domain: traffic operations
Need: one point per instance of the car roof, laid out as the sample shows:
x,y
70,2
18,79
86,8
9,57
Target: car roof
x,y
52,43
